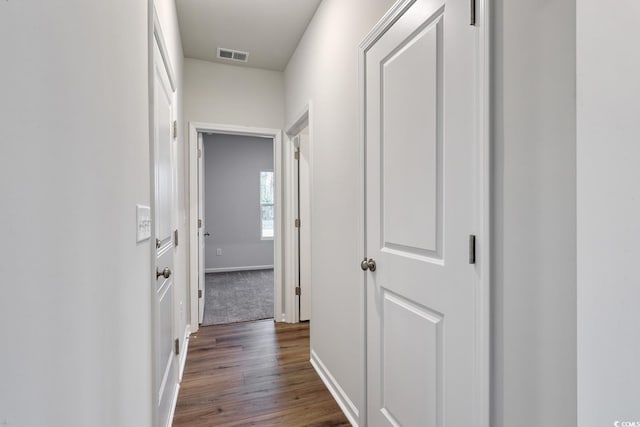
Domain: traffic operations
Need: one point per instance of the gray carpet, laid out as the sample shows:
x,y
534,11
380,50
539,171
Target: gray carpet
x,y
238,296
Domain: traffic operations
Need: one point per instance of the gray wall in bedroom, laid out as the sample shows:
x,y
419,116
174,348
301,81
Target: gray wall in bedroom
x,y
232,200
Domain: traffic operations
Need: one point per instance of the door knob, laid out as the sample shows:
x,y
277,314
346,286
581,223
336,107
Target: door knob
x,y
166,273
369,264
372,264
207,234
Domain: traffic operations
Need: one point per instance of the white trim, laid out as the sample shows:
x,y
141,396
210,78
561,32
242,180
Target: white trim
x,y
482,344
341,398
302,120
245,268
276,134
362,226
174,403
183,353
151,20
482,383
162,46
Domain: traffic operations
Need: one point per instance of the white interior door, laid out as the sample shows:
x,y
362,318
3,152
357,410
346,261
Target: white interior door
x,y
304,212
420,140
165,373
201,231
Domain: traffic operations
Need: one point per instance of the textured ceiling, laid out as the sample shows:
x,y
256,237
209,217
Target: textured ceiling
x,y
268,29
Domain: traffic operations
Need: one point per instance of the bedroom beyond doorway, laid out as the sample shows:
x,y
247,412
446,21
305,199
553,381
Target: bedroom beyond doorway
x,y
238,199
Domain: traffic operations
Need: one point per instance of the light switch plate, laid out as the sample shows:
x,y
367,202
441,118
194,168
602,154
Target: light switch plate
x,y
143,222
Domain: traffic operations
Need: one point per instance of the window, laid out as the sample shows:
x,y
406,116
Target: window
x,y
266,205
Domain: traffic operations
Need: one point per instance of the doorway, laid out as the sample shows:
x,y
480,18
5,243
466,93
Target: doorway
x,y
298,185
302,193
214,260
237,188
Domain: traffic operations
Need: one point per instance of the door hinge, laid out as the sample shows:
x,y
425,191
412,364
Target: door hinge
x,y
158,243
199,153
175,237
297,223
199,223
199,293
297,155
472,249
298,290
174,126
176,345
472,12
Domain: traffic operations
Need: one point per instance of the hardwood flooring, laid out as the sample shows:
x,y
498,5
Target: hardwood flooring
x,y
253,374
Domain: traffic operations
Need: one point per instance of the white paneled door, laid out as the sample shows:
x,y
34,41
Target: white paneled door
x,y
165,374
419,135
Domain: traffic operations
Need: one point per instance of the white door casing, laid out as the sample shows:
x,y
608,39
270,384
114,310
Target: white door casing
x,y
165,371
201,231
304,214
303,123
421,89
195,128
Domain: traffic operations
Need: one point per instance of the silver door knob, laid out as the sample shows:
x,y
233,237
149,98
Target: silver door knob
x,y
368,264
166,273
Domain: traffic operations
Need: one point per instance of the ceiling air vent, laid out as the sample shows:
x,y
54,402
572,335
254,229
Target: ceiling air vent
x,y
232,55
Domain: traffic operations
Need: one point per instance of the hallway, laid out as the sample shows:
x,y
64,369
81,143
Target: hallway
x,y
102,263
254,373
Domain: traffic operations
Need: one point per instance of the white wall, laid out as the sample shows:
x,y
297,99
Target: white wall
x,y
608,63
534,288
74,161
232,165
324,70
226,94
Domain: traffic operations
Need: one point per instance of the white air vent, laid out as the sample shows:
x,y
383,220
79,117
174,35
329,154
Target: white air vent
x,y
232,55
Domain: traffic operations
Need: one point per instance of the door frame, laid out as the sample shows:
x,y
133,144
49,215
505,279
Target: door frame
x,y
276,134
291,300
482,202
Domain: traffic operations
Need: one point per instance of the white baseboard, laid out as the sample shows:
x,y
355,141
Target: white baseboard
x,y
247,268
183,354
347,406
173,406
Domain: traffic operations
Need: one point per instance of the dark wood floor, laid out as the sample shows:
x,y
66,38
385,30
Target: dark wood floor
x,y
254,373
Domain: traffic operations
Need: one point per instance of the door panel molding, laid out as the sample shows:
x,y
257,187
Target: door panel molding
x,y
425,399
426,222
